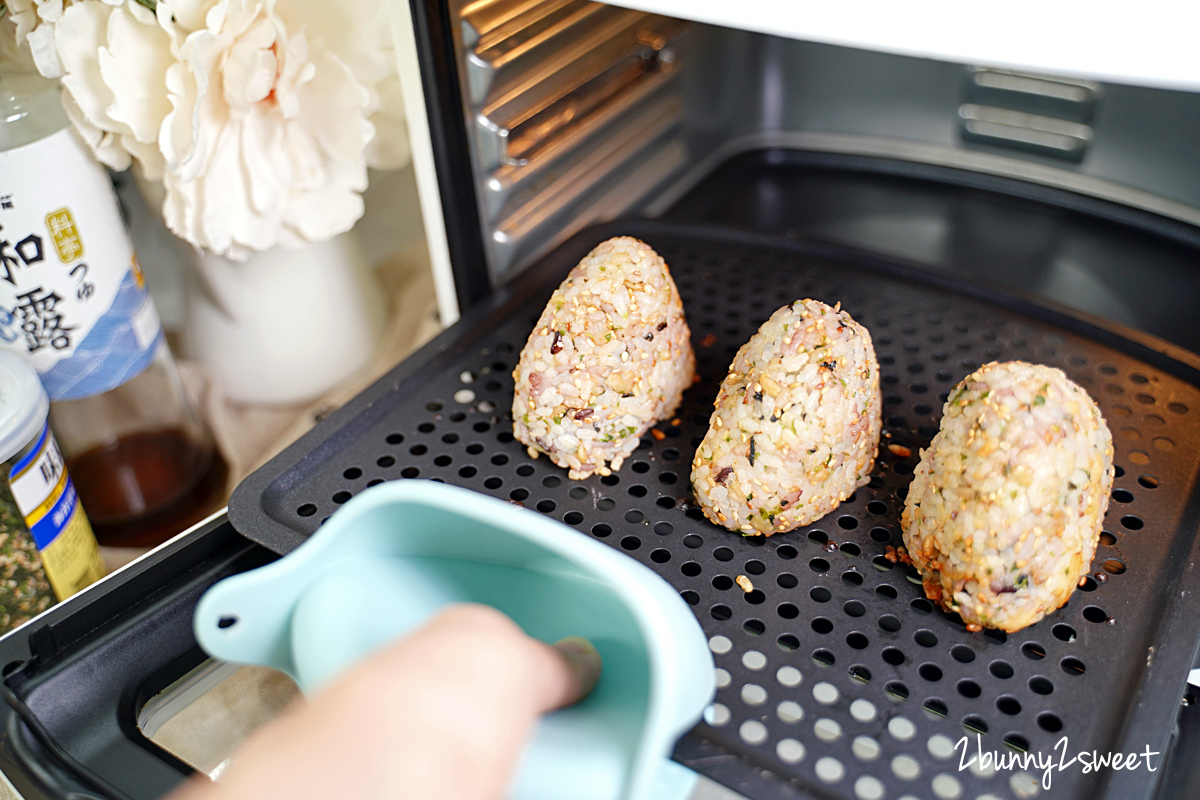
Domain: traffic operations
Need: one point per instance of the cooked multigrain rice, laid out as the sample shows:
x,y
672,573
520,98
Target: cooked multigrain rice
x,y
1005,509
796,424
610,355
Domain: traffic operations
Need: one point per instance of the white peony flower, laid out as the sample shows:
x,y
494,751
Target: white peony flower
x,y
35,27
359,33
36,21
256,115
115,60
266,138
14,58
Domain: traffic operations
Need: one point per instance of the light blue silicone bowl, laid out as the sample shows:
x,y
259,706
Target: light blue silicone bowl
x,y
396,553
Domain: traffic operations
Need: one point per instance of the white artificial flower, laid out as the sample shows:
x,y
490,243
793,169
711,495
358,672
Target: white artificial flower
x,y
266,138
359,33
256,115
36,21
14,58
115,59
35,27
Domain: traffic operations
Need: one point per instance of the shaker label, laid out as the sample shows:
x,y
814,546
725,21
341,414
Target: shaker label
x,y
70,287
47,500
34,479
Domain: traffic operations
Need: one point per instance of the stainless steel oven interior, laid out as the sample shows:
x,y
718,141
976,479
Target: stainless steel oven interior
x,y
576,112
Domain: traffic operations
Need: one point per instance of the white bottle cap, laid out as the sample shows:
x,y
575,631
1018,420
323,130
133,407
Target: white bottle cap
x,y
23,404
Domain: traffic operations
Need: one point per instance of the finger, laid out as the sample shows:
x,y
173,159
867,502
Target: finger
x,y
583,667
557,676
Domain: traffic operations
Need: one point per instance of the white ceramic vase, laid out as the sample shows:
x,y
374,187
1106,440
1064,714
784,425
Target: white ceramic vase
x,y
284,326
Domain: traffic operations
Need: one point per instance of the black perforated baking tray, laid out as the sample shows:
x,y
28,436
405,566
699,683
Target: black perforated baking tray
x,y
838,679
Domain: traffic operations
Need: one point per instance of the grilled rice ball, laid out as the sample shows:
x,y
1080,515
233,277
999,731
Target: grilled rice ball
x,y
1005,508
610,356
796,424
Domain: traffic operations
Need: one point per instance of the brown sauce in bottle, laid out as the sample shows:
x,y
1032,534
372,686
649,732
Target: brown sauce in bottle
x,y
146,487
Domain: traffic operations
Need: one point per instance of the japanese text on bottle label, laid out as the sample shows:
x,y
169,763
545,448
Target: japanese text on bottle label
x,y
72,297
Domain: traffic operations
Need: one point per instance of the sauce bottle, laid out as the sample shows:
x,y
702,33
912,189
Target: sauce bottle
x,y
74,303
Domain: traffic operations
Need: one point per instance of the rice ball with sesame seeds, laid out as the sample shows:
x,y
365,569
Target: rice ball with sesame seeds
x,y
610,356
1006,505
796,425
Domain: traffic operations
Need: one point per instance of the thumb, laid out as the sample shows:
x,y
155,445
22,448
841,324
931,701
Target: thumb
x,y
570,672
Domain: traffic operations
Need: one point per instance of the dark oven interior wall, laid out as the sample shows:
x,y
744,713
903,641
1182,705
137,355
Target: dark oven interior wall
x,y
737,85
1108,269
744,83
743,90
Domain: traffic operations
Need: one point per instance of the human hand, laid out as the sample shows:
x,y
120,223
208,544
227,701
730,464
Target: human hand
x,y
443,713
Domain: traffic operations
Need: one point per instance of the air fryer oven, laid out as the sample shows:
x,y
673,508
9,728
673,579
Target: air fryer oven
x,y
963,212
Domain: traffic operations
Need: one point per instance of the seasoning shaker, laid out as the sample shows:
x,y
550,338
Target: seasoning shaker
x,y
47,549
